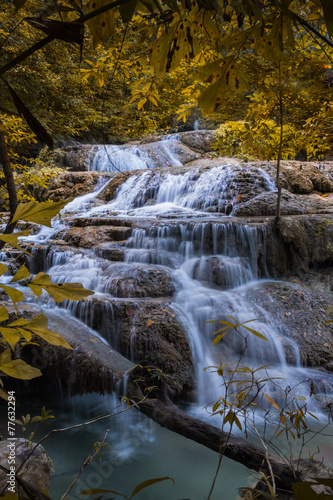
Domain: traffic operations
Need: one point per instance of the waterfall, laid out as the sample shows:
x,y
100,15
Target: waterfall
x,y
212,259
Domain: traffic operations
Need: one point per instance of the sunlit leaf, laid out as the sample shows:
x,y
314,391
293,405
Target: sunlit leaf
x,y
3,313
271,401
3,269
15,295
40,213
257,334
103,26
12,239
11,336
21,274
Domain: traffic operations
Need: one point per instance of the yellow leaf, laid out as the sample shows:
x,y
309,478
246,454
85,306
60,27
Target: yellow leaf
x,y
101,27
3,313
15,295
142,102
153,100
11,336
21,274
38,326
17,368
40,213
149,322
271,401
3,269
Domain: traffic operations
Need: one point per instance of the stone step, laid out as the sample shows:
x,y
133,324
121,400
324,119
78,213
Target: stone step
x,y
98,221
89,236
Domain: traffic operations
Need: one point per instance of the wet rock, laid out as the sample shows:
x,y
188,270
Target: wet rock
x,y
179,153
71,184
133,280
291,204
293,245
36,472
109,251
88,237
13,259
199,140
299,311
109,193
304,178
145,331
226,272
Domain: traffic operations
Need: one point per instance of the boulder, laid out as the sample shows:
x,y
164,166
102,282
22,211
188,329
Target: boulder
x,y
146,332
36,472
133,280
305,177
294,305
199,140
295,244
291,204
71,184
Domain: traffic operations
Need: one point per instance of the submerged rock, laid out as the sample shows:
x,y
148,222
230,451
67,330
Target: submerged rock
x,y
37,470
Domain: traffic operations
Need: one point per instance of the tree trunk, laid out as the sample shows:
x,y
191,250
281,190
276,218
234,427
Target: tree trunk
x,y
10,183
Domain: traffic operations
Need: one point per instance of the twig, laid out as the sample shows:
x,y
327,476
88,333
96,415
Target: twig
x,y
84,465
88,422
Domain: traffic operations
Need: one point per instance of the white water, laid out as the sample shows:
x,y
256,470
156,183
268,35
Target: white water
x,y
123,158
156,194
215,267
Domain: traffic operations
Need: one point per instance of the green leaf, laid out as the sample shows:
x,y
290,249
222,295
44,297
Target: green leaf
x,y
21,274
3,313
149,482
12,239
15,295
39,213
3,394
17,368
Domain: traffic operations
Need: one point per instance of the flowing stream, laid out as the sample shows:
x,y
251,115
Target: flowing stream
x,y
213,263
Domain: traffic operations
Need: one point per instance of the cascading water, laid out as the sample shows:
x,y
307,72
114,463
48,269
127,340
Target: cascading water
x,y
124,158
212,260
